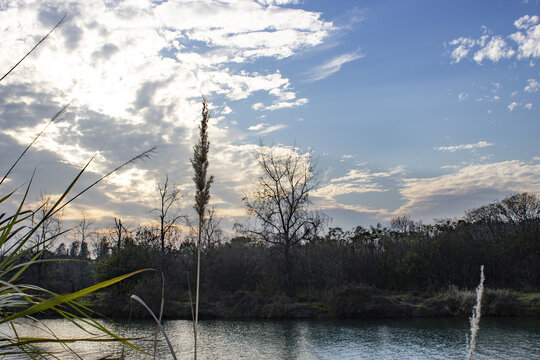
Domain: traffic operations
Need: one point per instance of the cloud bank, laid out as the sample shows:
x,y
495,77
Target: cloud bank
x,y
134,73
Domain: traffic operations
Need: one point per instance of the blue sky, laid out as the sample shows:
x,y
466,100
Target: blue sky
x,y
424,108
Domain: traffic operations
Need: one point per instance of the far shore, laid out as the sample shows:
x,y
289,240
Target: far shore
x,y
349,302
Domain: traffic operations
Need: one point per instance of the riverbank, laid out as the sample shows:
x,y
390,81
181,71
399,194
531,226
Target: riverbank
x,y
348,302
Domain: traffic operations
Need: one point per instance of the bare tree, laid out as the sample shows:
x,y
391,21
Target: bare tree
x,y
83,232
118,232
521,208
404,224
168,215
50,226
212,232
281,203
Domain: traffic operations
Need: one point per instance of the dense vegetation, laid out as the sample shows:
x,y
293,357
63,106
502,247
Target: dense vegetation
x,y
404,256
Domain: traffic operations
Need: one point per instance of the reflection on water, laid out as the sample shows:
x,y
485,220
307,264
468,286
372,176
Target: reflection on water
x,y
502,338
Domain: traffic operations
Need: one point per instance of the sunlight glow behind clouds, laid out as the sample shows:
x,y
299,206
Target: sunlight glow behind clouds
x,y
135,71
117,41
143,66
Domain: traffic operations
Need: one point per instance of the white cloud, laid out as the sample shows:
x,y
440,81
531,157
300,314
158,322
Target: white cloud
x,y
425,194
134,72
280,105
526,21
264,128
495,50
257,127
528,106
285,99
71,153
325,70
257,106
232,31
528,42
532,86
356,181
512,106
438,196
133,186
464,45
462,96
366,175
454,148
245,28
278,2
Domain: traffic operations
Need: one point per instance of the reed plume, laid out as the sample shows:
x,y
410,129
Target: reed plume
x,y
202,196
475,318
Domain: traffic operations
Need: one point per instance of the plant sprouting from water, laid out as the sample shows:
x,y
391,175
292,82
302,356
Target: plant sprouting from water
x,y
475,318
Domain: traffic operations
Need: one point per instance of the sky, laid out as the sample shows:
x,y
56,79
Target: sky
x,y
420,108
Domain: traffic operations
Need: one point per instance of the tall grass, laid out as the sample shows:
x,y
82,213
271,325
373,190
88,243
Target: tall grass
x,y
202,196
19,300
158,322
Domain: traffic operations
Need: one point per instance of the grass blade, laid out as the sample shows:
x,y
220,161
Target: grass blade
x,y
61,299
55,117
35,46
140,301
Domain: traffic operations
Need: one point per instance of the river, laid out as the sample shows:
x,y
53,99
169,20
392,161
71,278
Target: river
x,y
441,338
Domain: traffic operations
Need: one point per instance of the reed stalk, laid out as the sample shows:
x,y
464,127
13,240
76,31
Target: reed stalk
x,y
202,196
475,318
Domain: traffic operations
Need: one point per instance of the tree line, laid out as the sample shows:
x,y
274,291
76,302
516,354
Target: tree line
x,y
403,255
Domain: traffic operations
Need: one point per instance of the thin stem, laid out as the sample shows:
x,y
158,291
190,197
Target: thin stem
x,y
143,156
197,286
55,117
35,46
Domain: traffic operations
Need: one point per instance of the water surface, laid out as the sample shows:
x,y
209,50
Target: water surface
x,y
498,338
